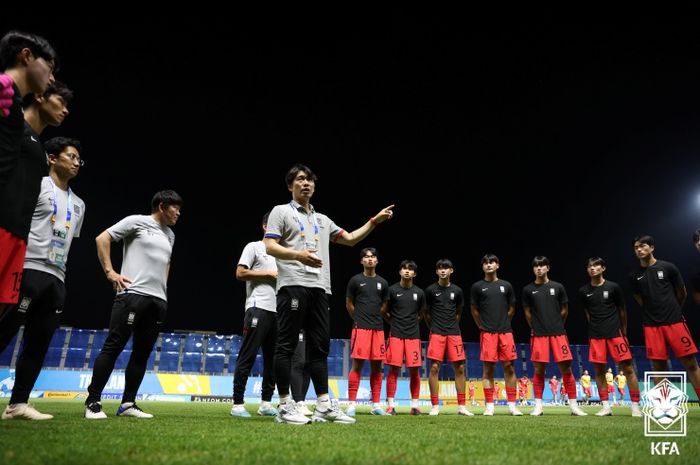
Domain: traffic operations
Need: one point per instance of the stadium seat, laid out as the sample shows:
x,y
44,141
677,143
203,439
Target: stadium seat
x,y
6,355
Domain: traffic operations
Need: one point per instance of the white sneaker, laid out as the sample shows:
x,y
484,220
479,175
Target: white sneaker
x,y
435,411
268,411
93,411
462,410
289,413
132,410
538,411
606,412
577,412
515,412
488,411
350,411
332,414
24,412
636,412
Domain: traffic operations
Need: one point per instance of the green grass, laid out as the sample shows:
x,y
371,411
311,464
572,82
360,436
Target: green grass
x,y
192,433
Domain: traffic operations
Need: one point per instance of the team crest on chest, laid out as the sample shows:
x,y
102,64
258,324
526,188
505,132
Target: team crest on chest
x,y
503,289
552,291
606,294
452,296
295,304
415,297
379,286
660,274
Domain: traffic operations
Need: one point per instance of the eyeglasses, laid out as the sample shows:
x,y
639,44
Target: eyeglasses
x,y
73,157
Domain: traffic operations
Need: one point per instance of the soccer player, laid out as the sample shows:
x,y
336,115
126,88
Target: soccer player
x,y
621,382
586,386
444,304
472,393
660,291
366,293
57,220
604,306
554,387
546,307
403,311
492,308
610,389
523,383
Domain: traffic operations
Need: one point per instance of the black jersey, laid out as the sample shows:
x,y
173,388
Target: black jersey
x,y
657,285
368,293
493,299
405,305
442,304
11,129
545,302
21,192
602,303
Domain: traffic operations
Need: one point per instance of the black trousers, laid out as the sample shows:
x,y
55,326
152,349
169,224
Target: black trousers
x,y
299,378
304,308
40,307
135,314
259,330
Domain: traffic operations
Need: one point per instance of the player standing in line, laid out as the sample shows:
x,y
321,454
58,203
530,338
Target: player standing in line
x,y
586,387
604,305
403,311
364,298
444,304
546,307
659,289
493,307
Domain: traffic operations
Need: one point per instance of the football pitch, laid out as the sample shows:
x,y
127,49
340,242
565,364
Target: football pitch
x,y
205,433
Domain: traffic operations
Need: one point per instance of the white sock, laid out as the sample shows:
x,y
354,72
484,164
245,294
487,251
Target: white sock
x,y
489,405
573,403
352,403
285,399
414,403
127,404
265,404
606,404
376,405
511,405
239,407
323,401
390,401
538,403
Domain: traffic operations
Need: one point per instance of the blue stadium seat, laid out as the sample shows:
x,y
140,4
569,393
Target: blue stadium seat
x,y
169,352
98,340
53,357
191,362
216,355
257,369
75,358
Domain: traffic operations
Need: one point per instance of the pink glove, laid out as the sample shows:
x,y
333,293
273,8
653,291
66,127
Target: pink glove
x,y
6,94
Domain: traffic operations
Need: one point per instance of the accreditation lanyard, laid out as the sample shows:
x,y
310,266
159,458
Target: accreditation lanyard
x,y
302,231
69,212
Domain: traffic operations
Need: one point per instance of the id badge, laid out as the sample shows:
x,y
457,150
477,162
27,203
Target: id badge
x,y
311,269
57,252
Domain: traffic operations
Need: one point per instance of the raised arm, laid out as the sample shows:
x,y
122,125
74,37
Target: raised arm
x,y
352,238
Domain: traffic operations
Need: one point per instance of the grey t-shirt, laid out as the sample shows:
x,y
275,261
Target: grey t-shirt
x,y
43,231
259,293
296,229
147,249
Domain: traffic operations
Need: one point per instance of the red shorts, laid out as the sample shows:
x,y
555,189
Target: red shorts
x,y
611,388
367,344
621,391
618,347
540,348
587,392
439,342
496,346
12,252
677,335
397,348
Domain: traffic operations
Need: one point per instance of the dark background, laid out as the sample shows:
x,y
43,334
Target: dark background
x,y
535,138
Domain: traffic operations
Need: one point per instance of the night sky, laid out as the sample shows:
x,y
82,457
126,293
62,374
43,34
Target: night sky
x,y
547,138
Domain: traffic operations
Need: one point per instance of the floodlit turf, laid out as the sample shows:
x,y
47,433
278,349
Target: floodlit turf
x,y
197,433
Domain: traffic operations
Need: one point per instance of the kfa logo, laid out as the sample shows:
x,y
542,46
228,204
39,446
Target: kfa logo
x,y
665,409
